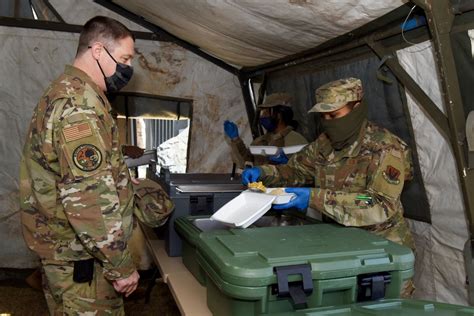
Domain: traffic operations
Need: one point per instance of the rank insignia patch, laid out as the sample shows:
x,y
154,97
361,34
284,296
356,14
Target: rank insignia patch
x,y
391,175
87,157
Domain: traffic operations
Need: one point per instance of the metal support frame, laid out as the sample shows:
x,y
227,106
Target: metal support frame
x,y
440,16
249,105
63,27
51,9
109,4
429,107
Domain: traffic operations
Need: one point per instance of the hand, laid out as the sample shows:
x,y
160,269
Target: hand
x,y
301,201
134,180
279,159
127,285
250,175
132,151
231,130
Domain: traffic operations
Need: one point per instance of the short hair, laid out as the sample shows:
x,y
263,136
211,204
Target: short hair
x,y
102,29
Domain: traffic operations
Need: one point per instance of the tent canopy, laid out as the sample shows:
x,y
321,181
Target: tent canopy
x,y
251,33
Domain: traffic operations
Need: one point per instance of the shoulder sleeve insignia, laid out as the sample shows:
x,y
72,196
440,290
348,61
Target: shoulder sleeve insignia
x,y
76,132
391,175
87,157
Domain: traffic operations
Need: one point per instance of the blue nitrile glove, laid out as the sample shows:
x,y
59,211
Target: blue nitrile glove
x,y
250,175
301,201
231,130
280,158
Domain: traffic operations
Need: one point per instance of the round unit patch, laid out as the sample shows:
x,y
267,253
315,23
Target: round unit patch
x,y
87,157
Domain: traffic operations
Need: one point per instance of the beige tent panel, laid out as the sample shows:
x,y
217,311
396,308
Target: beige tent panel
x,y
251,32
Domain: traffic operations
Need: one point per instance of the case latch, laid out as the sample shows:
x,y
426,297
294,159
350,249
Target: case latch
x,y
298,291
372,286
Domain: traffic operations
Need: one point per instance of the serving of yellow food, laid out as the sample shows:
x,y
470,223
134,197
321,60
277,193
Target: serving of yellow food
x,y
257,186
278,191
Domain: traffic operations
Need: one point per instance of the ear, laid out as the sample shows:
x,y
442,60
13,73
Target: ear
x,y
96,50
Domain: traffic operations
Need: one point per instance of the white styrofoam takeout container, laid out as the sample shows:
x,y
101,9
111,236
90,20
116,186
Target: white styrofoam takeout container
x,y
280,198
243,210
263,150
248,207
288,150
273,150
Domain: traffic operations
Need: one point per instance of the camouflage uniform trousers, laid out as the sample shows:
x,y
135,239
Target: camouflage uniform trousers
x,y
66,297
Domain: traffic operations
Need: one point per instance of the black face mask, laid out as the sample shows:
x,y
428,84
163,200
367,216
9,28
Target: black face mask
x,y
344,131
123,74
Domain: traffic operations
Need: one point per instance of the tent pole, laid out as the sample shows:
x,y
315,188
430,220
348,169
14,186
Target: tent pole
x,y
249,105
63,27
440,16
431,109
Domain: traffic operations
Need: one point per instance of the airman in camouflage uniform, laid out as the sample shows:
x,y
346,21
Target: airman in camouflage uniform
x,y
76,194
282,138
359,182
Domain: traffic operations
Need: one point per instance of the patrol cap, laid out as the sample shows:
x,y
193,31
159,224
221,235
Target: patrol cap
x,y
153,204
275,99
334,95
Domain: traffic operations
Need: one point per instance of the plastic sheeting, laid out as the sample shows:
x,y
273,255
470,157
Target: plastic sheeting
x,y
249,32
439,271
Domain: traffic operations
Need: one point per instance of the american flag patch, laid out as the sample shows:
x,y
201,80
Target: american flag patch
x,y
77,132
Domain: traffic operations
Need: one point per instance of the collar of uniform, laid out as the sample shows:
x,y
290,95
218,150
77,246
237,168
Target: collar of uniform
x,y
351,151
76,72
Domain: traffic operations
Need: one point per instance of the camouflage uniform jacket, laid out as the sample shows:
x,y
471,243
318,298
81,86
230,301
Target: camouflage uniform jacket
x,y
287,137
357,186
75,192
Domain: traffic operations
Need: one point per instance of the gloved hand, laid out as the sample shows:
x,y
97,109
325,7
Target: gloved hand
x,y
250,175
231,130
280,158
301,201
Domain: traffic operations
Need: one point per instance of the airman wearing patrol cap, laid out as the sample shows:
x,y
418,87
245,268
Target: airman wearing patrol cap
x,y
276,116
275,99
334,95
354,172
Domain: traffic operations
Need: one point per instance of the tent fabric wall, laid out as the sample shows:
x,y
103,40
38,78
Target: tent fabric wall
x,y
251,33
79,11
439,271
32,58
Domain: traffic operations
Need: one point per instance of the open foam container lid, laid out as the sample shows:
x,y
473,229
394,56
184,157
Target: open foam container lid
x,y
273,150
245,209
249,206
